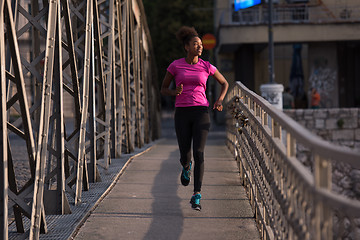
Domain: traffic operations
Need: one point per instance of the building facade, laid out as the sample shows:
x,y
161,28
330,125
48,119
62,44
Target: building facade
x,y
317,44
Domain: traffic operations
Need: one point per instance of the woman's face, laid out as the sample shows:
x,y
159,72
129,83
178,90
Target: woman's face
x,y
194,47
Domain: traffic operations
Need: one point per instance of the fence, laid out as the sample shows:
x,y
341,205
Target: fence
x,y
98,56
290,200
295,14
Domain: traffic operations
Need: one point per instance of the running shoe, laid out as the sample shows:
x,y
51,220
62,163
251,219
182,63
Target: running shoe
x,y
185,176
195,201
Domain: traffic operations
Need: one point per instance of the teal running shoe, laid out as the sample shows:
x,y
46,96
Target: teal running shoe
x,y
185,176
195,202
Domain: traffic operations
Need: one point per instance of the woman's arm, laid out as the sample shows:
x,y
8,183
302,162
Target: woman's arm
x,y
224,87
165,90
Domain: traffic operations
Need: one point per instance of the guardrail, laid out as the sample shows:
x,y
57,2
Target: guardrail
x,y
290,201
285,14
96,54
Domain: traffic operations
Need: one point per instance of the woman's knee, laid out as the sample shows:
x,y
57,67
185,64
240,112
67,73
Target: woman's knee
x,y
199,156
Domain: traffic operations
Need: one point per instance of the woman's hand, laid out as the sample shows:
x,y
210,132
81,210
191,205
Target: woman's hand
x,y
224,87
218,105
179,89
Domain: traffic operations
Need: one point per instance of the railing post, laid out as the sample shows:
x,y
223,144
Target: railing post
x,y
297,203
264,119
256,110
290,145
323,214
247,101
241,167
275,129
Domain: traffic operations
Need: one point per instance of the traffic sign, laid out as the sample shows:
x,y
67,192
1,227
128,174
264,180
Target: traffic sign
x,y
209,41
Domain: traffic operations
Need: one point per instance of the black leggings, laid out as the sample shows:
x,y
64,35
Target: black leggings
x,y
192,124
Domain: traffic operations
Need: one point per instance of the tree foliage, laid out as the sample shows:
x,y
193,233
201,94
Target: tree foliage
x,y
164,20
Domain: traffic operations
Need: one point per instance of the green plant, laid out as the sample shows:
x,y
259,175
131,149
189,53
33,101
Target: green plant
x,y
340,123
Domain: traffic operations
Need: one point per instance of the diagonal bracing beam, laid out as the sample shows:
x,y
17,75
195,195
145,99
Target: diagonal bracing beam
x,y
53,37
91,53
26,133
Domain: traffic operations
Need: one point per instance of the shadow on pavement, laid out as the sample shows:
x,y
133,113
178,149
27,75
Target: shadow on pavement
x,y
168,219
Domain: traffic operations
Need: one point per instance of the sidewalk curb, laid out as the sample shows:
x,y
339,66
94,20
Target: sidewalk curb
x,y
111,186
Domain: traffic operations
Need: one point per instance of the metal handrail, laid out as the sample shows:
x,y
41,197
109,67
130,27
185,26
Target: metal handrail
x,y
284,193
313,142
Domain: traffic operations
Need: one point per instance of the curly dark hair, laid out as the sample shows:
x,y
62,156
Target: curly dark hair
x,y
185,34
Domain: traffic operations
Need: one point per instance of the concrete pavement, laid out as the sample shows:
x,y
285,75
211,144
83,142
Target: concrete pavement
x,y
149,202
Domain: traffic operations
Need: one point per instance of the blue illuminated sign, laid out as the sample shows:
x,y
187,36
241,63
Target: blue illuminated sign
x,y
241,4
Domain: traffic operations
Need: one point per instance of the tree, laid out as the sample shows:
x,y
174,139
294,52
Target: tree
x,y
164,20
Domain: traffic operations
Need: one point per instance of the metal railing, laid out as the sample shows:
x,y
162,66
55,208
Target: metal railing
x,y
290,201
97,55
285,14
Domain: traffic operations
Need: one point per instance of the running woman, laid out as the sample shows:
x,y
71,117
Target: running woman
x,y
192,120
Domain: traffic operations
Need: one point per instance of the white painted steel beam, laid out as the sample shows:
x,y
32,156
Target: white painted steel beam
x,y
3,132
92,53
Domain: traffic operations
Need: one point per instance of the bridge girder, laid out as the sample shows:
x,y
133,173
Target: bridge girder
x,y
92,54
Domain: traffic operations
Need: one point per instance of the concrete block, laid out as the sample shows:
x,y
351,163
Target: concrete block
x,y
319,123
331,123
343,134
347,112
299,113
310,123
350,123
355,112
290,113
357,134
333,112
321,113
308,114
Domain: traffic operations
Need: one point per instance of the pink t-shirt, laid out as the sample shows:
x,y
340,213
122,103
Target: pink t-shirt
x,y
193,78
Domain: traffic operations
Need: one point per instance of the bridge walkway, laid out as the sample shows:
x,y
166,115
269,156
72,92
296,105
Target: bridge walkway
x,y
149,202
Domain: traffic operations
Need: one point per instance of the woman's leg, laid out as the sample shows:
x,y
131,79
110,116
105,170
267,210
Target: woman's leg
x,y
183,128
200,132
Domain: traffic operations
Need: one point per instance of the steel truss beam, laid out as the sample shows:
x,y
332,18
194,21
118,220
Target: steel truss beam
x,y
85,100
52,67
22,127
3,132
104,36
96,55
117,93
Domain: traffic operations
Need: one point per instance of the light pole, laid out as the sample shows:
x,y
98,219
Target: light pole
x,y
271,42
272,91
